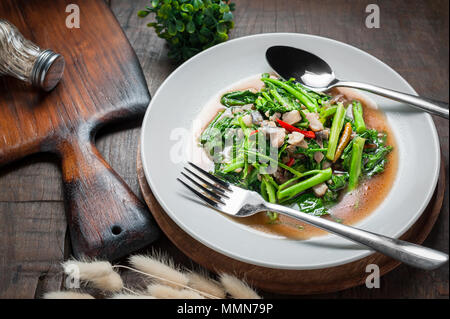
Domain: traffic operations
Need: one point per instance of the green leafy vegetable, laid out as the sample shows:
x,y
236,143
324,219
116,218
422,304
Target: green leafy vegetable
x,y
310,204
301,95
190,26
287,174
238,98
338,182
375,161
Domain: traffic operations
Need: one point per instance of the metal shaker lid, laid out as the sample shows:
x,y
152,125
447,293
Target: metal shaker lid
x,y
47,70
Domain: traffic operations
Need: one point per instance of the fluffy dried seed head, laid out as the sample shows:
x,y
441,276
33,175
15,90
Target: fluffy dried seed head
x,y
131,296
100,274
67,295
161,267
111,282
237,289
166,292
87,270
202,283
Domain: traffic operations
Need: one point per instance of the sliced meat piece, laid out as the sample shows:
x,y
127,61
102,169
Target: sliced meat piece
x,y
247,119
303,144
318,157
320,189
280,176
268,123
277,136
275,116
314,122
267,127
257,117
324,134
326,164
292,117
337,98
227,113
295,138
319,140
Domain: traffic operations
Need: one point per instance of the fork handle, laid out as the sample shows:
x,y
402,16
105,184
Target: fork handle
x,y
411,254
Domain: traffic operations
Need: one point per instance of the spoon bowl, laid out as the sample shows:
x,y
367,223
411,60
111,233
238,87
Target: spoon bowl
x,y
305,67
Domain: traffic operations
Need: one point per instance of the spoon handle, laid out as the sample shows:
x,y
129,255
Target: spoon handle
x,y
425,104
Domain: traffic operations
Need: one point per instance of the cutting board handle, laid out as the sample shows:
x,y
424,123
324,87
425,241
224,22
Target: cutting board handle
x,y
106,220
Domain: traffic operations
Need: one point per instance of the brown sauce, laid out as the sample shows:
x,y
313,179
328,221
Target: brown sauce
x,y
353,206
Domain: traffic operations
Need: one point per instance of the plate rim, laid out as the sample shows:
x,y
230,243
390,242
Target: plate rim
x,y
363,253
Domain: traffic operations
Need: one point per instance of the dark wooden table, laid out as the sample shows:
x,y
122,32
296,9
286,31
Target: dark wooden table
x,y
412,38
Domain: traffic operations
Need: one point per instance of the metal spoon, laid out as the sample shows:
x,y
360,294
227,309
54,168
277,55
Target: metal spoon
x,y
316,74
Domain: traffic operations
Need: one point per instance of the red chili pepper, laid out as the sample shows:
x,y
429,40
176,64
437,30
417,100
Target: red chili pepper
x,y
253,132
290,128
291,162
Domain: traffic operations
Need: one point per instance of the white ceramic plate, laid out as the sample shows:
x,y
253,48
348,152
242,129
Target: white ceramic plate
x,y
182,96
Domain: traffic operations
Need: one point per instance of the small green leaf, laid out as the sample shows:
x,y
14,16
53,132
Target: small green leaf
x,y
224,7
155,3
221,37
180,26
197,4
199,19
143,13
187,7
222,28
205,31
172,28
227,16
190,27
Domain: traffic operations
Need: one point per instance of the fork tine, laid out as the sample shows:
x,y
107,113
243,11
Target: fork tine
x,y
211,193
210,176
204,181
203,197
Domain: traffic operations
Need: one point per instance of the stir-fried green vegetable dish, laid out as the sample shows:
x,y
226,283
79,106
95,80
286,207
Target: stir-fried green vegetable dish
x,y
293,145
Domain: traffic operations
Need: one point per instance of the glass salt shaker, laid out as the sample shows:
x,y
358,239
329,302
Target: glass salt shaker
x,y
25,61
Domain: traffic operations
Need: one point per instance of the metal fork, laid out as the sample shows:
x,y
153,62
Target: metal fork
x,y
239,202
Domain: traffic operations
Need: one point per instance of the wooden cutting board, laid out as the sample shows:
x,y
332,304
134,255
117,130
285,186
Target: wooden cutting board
x,y
102,83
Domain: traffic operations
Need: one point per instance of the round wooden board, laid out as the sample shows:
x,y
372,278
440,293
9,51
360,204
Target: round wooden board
x,y
299,282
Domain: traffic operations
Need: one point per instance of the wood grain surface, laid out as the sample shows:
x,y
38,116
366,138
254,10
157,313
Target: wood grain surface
x,y
102,83
413,39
